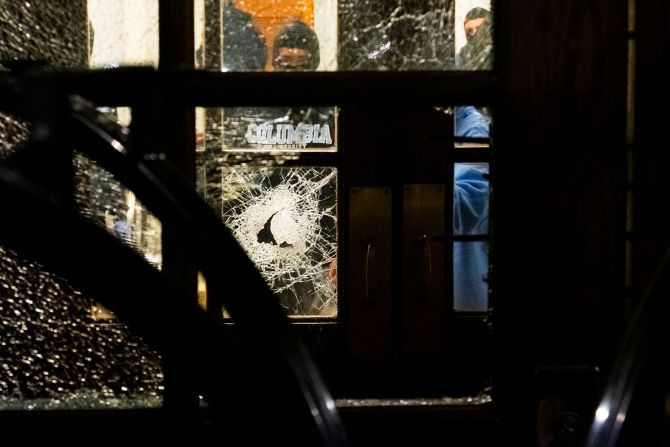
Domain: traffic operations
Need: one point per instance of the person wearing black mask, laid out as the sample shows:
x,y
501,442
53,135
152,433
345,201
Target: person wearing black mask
x,y
477,53
296,47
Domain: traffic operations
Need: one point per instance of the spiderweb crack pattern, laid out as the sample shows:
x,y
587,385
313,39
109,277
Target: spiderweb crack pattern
x,y
285,219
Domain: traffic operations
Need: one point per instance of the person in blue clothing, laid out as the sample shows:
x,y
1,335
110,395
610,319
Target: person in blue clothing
x,y
471,217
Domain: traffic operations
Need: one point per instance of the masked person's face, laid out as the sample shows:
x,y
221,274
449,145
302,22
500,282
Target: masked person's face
x,y
292,59
472,26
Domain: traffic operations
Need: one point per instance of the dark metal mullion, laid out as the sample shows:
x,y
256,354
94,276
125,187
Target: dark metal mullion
x,y
449,243
482,140
471,238
174,135
472,156
319,159
215,89
316,158
342,88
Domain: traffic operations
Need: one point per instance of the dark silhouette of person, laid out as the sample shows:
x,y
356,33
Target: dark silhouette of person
x,y
295,47
243,46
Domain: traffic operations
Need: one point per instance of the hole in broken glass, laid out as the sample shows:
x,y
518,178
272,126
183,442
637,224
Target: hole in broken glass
x,y
285,219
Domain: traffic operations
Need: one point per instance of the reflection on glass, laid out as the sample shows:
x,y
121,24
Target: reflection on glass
x,y
471,266
344,35
285,219
13,133
80,33
56,354
108,203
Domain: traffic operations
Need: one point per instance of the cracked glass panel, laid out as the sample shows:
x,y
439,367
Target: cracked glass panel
x,y
54,32
56,356
80,33
56,353
396,35
278,35
412,35
13,132
285,219
50,32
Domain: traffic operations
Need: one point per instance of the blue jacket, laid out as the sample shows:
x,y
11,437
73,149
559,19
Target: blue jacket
x,y
471,217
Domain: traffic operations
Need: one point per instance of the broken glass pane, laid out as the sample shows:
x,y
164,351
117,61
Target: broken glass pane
x,y
51,31
427,35
55,356
285,219
329,35
80,33
13,132
396,35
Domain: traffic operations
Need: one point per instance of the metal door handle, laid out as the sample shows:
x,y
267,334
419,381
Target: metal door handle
x,y
370,266
426,268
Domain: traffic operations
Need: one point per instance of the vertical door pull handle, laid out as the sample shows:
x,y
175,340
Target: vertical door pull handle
x,y
370,267
426,268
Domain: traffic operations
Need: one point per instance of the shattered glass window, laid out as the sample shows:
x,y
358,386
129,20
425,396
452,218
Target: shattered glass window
x,y
80,33
55,355
62,350
285,218
47,31
13,132
39,32
56,352
308,35
396,35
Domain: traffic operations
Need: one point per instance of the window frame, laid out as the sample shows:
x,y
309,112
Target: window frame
x,y
327,337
